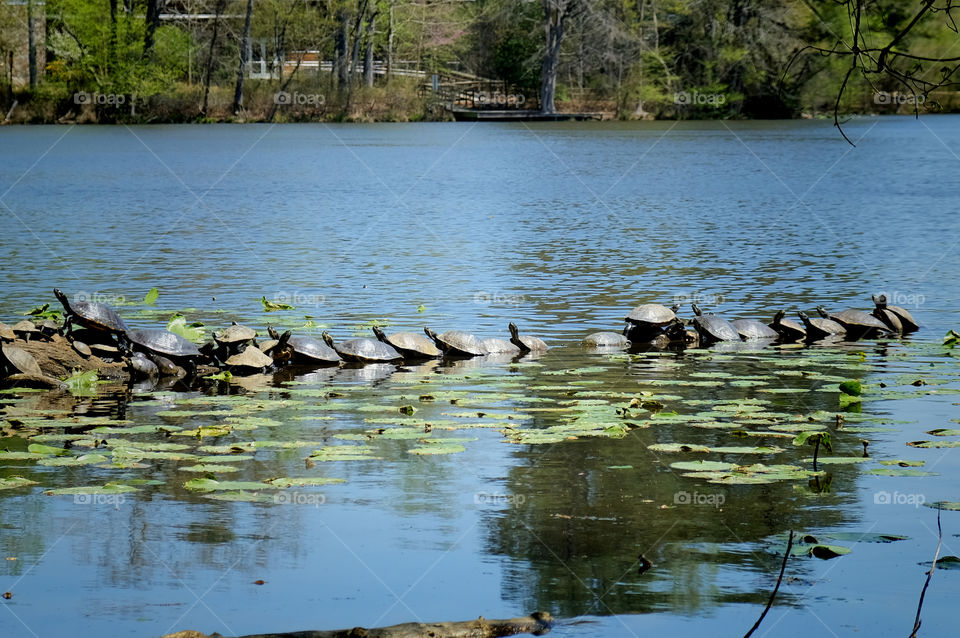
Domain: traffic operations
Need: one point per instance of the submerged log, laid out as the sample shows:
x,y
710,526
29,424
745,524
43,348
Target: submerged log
x,y
58,359
537,623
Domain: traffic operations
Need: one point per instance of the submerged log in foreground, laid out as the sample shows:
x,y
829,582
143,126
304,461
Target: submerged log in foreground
x,y
537,623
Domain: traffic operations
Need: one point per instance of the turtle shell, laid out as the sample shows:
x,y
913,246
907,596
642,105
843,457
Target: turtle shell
x,y
6,332
818,327
524,342
606,340
363,350
91,314
907,322
651,314
313,350
500,346
751,329
163,342
409,344
251,357
788,329
235,334
21,360
457,343
855,319
714,328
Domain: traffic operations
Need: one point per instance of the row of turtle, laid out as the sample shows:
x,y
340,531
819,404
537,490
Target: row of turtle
x,y
659,325
153,352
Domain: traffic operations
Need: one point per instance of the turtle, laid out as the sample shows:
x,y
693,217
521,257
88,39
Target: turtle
x,y
302,349
6,332
788,329
90,314
456,343
165,344
363,350
606,340
251,357
234,336
26,330
525,343
143,366
20,360
751,329
410,344
500,346
713,328
82,349
48,328
818,328
907,322
648,319
857,323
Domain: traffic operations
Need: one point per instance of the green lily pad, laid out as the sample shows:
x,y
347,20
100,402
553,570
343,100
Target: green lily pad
x,y
898,471
303,481
703,466
438,448
239,496
109,488
84,459
209,467
343,453
677,447
47,450
934,444
213,485
944,432
838,460
944,505
12,482
902,463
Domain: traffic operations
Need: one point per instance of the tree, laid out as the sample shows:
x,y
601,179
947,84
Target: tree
x,y
556,13
244,52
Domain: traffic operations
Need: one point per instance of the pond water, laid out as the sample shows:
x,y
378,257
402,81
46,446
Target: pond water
x,y
562,228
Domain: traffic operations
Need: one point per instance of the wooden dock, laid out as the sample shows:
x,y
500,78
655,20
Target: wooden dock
x,y
518,115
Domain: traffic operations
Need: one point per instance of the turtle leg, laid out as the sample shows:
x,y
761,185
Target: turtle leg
x,y
68,327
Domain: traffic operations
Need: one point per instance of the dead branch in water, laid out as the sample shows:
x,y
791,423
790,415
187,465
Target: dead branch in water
x,y
773,594
933,566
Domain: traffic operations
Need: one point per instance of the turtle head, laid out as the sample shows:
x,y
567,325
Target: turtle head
x,y
514,331
675,308
777,318
327,339
880,300
803,316
272,332
430,333
696,309
62,298
823,312
379,333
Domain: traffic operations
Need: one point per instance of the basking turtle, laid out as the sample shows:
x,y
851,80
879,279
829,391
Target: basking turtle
x,y
6,332
410,344
606,340
363,350
233,340
907,322
752,330
90,314
20,360
500,346
818,328
165,344
302,349
713,328
250,358
456,343
143,366
525,343
646,320
788,329
26,330
857,323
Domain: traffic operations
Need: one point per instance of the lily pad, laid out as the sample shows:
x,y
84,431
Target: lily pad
x,y
109,488
11,482
213,485
438,448
304,481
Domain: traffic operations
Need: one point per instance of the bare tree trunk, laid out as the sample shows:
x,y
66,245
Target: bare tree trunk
x,y
244,52
213,43
368,55
153,21
390,44
341,71
112,48
556,13
31,46
357,28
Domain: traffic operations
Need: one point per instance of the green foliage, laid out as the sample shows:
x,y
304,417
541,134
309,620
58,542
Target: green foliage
x,y
192,332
